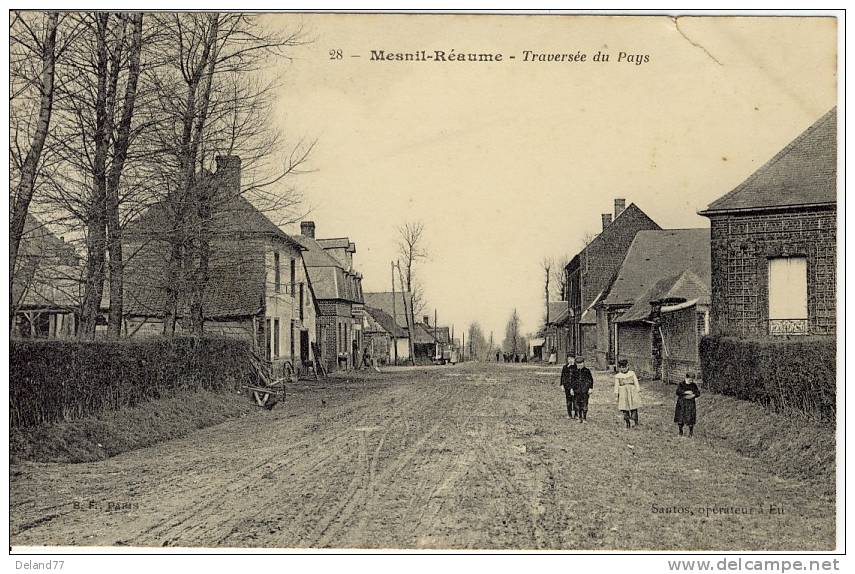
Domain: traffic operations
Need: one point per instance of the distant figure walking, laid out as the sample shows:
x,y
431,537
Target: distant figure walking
x,y
627,391
582,389
686,412
553,358
568,379
497,356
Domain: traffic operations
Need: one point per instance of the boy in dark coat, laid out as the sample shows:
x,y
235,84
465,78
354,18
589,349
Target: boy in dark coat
x,y
582,388
568,380
686,413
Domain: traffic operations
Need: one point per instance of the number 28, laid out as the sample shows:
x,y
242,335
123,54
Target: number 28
x,y
335,54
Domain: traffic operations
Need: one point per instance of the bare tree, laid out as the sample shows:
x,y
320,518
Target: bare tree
x,y
559,277
411,250
479,348
213,91
546,265
513,338
30,40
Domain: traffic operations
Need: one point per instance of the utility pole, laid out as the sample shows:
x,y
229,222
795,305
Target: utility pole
x,y
409,313
463,348
394,313
438,348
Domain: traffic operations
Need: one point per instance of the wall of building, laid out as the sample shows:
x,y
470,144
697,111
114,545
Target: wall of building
x,y
337,333
635,345
741,246
681,334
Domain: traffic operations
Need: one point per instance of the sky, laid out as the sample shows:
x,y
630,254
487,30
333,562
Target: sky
x,y
506,163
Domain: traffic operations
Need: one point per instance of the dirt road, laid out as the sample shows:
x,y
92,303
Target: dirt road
x,y
459,457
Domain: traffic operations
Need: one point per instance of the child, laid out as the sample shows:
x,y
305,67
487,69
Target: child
x,y
582,388
627,391
685,412
568,379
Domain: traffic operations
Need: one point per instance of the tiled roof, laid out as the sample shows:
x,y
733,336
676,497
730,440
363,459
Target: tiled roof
x,y
558,312
655,255
236,282
676,288
423,335
385,321
383,300
330,280
233,217
803,173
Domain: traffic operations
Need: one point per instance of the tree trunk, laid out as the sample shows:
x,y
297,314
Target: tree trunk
x,y
203,192
120,152
96,240
410,319
26,186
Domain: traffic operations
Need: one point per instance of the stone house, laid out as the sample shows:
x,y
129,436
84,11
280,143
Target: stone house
x,y
392,304
774,257
257,285
384,339
337,287
661,267
590,272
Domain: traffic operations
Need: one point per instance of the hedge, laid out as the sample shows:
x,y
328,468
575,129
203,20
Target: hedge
x,y
55,380
786,374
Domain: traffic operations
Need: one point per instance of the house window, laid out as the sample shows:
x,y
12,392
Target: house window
x,y
267,349
301,303
276,338
788,296
293,275
277,283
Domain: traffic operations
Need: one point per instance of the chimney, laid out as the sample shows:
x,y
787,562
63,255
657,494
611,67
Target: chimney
x,y
607,218
307,228
426,320
228,172
620,205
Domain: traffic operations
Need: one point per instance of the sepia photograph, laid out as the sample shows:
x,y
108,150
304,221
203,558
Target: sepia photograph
x,y
425,282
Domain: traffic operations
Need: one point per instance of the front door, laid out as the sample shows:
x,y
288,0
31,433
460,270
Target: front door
x,y
304,346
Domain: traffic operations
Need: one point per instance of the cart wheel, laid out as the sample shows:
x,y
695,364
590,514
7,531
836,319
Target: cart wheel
x,y
261,399
288,371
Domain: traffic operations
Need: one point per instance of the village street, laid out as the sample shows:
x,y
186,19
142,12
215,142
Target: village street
x,y
472,456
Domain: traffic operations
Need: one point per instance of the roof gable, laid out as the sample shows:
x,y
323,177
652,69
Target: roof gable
x,y
383,300
385,322
655,255
803,173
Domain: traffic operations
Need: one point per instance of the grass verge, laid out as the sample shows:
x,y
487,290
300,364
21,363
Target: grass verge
x,y
113,432
790,444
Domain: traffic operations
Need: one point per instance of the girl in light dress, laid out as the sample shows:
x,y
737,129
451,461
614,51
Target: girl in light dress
x,y
627,392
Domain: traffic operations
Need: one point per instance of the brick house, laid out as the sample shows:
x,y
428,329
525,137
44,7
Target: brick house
x,y
257,285
337,288
774,242
660,333
661,268
590,272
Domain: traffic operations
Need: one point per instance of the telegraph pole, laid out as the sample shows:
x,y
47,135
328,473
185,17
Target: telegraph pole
x,y
394,314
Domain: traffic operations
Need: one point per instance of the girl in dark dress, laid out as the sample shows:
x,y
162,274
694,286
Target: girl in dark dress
x,y
686,412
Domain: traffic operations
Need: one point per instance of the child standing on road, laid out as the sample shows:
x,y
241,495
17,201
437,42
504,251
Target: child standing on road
x,y
568,379
627,391
582,388
685,412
